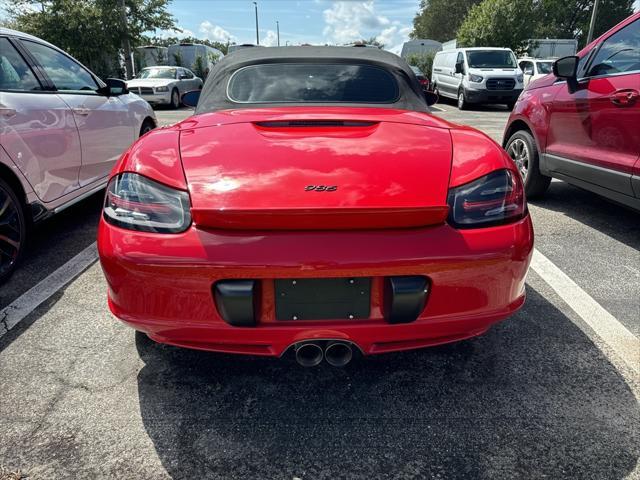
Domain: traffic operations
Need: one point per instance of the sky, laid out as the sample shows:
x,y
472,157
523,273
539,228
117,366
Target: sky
x,y
301,21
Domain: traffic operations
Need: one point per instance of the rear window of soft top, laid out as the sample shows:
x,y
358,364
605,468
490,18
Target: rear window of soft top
x,y
312,83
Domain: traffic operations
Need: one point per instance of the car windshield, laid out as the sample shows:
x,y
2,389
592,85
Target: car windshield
x,y
491,59
157,73
545,67
307,82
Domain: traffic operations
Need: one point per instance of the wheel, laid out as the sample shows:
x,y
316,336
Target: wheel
x,y
462,101
523,150
13,230
146,127
175,99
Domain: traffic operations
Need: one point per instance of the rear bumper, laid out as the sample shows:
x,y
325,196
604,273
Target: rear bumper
x,y
162,284
492,96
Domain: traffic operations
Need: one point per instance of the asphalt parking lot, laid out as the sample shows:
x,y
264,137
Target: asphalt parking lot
x,y
550,393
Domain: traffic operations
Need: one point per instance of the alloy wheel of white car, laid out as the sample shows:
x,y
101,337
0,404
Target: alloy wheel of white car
x,y
175,99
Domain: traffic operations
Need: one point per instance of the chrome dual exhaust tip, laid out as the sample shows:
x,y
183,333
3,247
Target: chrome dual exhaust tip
x,y
308,354
336,353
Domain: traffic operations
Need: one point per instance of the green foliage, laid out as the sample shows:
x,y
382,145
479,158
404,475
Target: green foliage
x,y
557,19
498,23
166,41
424,61
199,67
439,19
90,30
177,59
509,23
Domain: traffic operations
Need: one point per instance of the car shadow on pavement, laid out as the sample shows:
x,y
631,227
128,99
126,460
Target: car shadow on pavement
x,y
611,219
532,398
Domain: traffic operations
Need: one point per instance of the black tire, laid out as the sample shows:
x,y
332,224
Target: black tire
x,y
535,183
13,230
175,99
462,101
147,126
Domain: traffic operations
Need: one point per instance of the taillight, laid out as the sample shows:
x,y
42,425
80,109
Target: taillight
x,y
139,203
494,199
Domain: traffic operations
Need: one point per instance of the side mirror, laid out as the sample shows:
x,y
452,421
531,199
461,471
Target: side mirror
x,y
190,99
459,67
114,87
567,68
430,97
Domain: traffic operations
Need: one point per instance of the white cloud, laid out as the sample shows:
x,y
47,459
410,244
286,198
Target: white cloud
x,y
215,33
271,40
346,21
393,41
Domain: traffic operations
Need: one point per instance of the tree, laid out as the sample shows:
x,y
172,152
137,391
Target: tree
x,y
561,19
424,61
499,23
90,30
439,19
510,23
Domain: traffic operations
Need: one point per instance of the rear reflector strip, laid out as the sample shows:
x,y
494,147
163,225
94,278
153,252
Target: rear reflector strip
x,y
320,219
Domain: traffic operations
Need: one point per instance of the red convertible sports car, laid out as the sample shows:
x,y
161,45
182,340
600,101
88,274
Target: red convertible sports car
x,y
313,204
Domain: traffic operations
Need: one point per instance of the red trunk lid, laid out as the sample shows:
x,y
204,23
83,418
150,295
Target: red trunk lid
x,y
328,171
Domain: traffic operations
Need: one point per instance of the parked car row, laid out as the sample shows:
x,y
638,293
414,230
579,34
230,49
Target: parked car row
x,y
292,252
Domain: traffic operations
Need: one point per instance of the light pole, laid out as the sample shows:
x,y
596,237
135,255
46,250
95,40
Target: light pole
x,y
278,30
257,35
592,24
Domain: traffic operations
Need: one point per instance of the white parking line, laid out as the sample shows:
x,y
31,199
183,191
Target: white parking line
x,y
15,312
613,333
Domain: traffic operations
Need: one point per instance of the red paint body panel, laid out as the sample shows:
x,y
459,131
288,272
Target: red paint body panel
x,y
157,156
162,284
242,175
253,219
474,156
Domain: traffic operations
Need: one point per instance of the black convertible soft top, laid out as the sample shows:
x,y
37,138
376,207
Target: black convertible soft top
x,y
214,93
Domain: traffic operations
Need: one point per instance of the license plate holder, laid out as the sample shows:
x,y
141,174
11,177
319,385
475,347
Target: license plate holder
x,y
323,298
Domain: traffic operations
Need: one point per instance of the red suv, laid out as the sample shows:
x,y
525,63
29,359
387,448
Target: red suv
x,y
582,124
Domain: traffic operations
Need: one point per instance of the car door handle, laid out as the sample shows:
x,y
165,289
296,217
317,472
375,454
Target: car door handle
x,y
624,98
7,112
81,111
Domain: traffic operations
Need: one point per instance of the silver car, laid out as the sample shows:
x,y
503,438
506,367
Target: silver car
x,y
61,131
162,85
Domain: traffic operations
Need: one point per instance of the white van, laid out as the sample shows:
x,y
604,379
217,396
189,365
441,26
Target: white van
x,y
477,75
